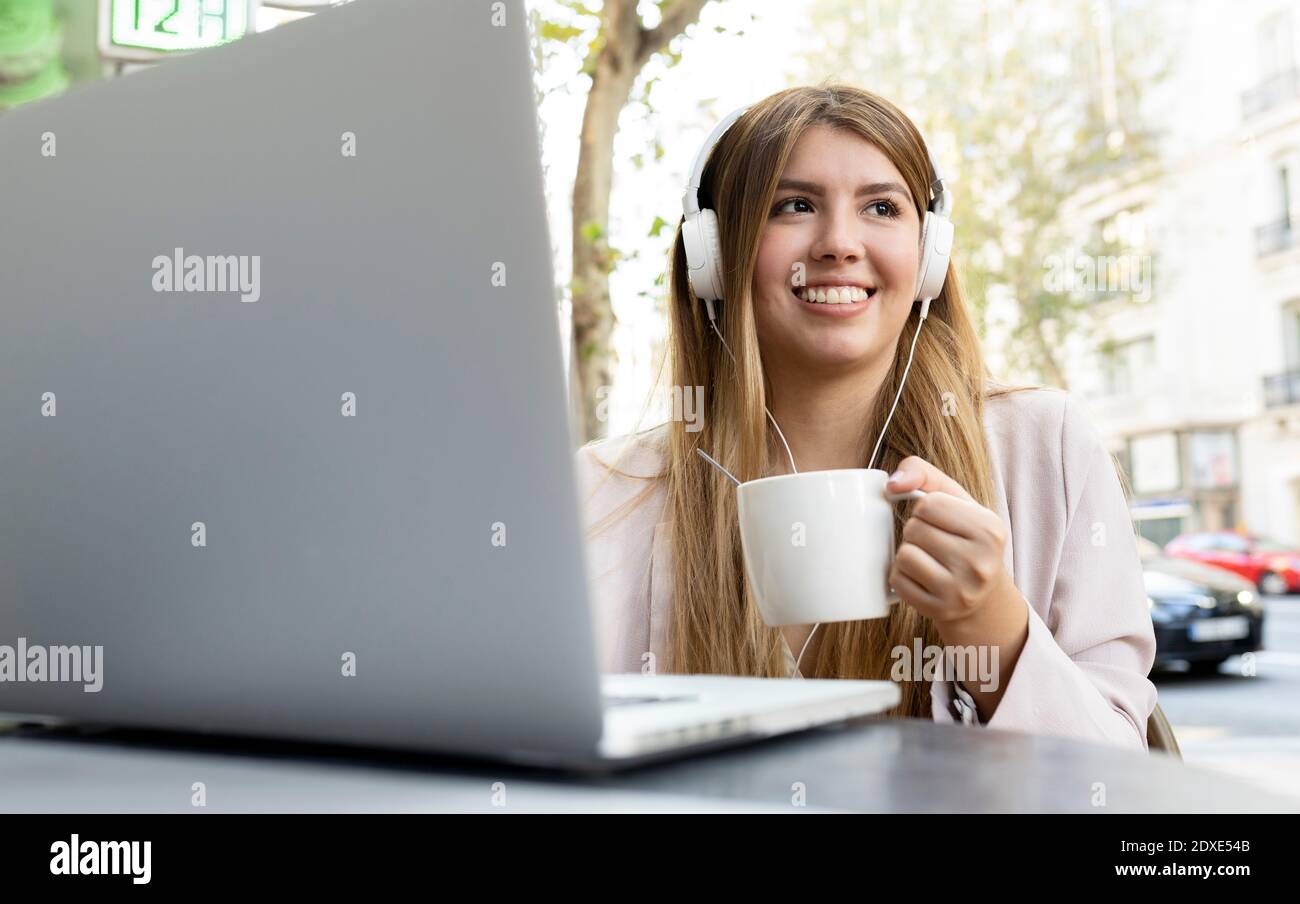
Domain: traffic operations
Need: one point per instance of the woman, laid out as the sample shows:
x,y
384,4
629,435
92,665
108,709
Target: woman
x,y
1023,544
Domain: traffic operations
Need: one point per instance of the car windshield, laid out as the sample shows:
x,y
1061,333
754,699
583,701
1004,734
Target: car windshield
x,y
1264,544
1160,583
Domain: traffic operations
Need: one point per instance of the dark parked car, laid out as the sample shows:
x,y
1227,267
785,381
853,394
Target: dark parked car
x,y
1271,566
1201,614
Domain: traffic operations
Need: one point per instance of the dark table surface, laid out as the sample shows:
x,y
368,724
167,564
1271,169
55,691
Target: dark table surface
x,y
869,765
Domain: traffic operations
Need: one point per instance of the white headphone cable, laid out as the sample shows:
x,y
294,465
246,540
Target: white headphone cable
x,y
804,650
925,310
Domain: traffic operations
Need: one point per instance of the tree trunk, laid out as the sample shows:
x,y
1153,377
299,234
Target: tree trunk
x,y
1047,363
626,48
593,315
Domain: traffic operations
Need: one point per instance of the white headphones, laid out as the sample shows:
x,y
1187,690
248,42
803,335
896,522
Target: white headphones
x,y
704,248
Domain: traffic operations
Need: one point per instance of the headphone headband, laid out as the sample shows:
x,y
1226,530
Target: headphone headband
x,y
691,197
939,204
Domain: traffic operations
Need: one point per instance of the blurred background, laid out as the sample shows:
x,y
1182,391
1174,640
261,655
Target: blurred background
x,y
1126,181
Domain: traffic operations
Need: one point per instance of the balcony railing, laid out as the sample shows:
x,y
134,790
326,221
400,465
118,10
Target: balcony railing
x,y
1274,237
1273,91
1282,389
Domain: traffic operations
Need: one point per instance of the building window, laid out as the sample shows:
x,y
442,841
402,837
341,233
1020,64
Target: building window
x,y
1291,335
1282,199
1126,365
1279,233
1213,458
1156,466
1276,45
1279,80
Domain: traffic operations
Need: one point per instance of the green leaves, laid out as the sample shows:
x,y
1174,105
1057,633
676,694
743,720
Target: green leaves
x,y
580,8
557,31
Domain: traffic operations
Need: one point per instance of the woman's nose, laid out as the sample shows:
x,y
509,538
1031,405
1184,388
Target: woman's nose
x,y
838,238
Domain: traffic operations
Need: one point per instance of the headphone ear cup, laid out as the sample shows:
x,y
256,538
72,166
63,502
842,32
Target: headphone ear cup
x,y
703,254
936,249
925,255
713,246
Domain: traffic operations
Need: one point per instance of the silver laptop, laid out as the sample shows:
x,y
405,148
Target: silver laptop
x,y
283,437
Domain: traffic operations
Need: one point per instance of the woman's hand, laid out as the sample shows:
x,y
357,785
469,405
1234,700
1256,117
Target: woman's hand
x,y
949,568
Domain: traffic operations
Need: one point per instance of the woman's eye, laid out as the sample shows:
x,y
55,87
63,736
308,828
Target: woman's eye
x,y
782,204
881,208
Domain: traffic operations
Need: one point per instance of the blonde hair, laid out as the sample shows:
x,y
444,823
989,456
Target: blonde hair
x,y
716,627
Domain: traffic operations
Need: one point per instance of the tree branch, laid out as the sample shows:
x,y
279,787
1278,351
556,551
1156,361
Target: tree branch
x,y
673,23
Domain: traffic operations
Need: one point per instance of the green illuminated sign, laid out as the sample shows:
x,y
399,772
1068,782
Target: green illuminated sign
x,y
151,28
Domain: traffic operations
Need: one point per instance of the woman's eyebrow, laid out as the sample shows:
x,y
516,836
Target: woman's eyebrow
x,y
871,188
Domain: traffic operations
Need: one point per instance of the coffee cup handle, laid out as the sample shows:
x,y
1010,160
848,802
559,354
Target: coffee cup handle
x,y
891,596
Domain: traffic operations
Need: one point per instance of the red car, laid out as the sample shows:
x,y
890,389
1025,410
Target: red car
x,y
1271,566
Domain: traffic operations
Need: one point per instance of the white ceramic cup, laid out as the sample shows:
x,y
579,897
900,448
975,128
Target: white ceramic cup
x,y
818,546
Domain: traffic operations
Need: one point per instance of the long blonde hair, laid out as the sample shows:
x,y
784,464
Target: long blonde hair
x,y
716,627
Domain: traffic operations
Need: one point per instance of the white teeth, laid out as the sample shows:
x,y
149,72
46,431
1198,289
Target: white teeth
x,y
833,294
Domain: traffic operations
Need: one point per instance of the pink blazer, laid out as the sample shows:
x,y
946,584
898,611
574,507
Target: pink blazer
x,y
1070,549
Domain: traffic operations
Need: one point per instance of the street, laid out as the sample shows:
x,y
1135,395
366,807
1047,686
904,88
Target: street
x,y
1242,723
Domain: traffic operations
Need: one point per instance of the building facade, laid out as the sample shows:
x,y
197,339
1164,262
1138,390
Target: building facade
x,y
1191,368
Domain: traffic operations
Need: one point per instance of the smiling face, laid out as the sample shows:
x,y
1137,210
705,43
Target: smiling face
x,y
844,212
